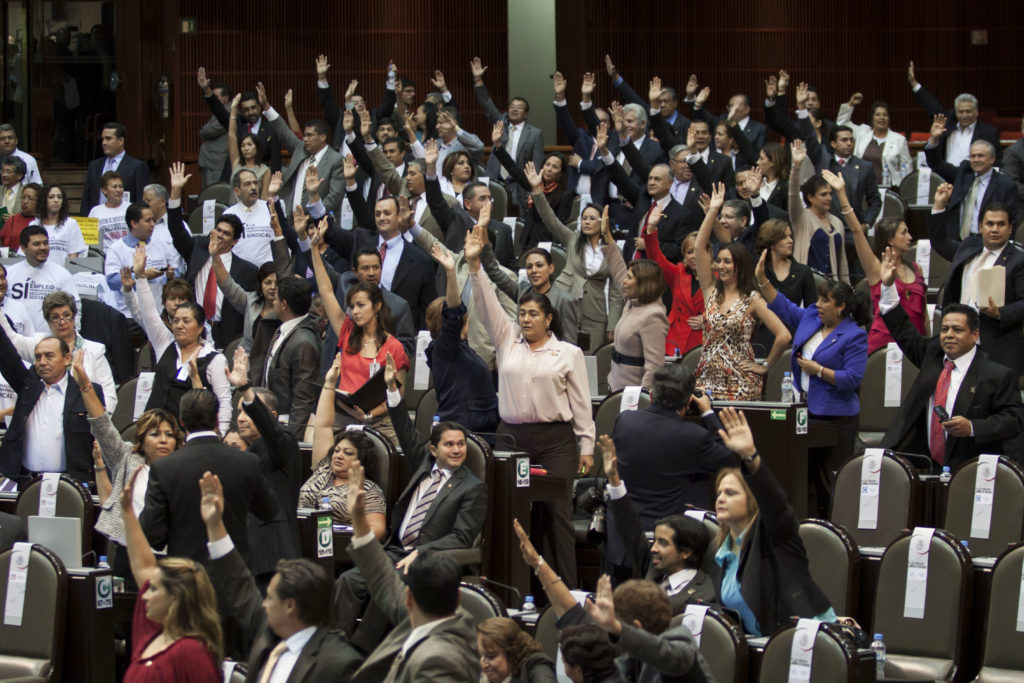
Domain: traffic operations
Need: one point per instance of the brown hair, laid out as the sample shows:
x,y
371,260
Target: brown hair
x,y
779,156
384,325
650,281
504,634
771,233
448,167
643,601
151,419
723,530
690,242
178,288
56,299
193,609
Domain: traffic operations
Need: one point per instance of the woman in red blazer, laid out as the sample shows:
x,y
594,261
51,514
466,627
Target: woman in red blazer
x,y
685,319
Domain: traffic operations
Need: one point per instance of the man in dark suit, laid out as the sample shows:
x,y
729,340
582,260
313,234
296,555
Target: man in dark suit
x,y
49,431
661,485
294,612
171,514
442,508
739,106
281,464
976,184
664,99
961,125
674,217
406,270
12,530
1001,335
675,557
226,320
522,141
134,172
428,593
587,175
333,114
838,157
980,396
250,122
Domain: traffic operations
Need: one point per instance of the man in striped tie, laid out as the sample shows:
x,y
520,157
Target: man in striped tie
x,y
442,508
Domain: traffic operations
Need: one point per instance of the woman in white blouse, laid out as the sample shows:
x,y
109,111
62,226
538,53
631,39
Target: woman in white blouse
x,y
543,396
886,150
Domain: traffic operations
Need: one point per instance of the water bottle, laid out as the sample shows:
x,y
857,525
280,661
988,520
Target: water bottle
x,y
325,503
946,475
966,547
788,395
878,647
436,421
528,605
103,564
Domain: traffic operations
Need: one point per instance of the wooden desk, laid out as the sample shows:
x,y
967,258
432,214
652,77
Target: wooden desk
x,y
503,562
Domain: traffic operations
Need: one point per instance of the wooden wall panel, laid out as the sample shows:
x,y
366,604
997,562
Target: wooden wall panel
x,y
841,48
277,42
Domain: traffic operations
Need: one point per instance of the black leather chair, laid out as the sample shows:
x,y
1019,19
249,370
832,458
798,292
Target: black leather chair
x,y
1007,523
898,491
833,660
73,500
834,562
1003,649
34,651
387,471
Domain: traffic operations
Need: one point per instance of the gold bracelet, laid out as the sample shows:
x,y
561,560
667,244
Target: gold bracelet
x,y
764,284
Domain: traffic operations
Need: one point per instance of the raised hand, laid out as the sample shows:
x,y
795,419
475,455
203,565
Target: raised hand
x,y
798,151
653,219
410,126
752,183
357,498
692,85
239,373
350,91
178,176
587,86
606,227
405,214
261,95
497,131
300,219
736,436
942,195
333,372
783,81
759,268
770,87
366,125
801,95
532,176
391,369
601,138
911,78
704,202
211,504
558,81
438,80
602,608
611,462
475,240
731,117
201,80
193,373
275,184
78,368
430,153
691,139
484,220
349,169
322,67
289,99
477,68
702,98
654,91
855,99
938,128
443,257
139,261
530,555
717,197
835,181
889,266
610,67
347,121
312,180
127,279
235,101
618,118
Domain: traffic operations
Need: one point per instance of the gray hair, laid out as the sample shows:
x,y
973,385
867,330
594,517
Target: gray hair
x,y
157,189
16,163
4,127
966,97
989,147
236,179
675,151
638,111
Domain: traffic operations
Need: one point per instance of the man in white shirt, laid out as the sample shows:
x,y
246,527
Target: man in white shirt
x,y
32,279
155,197
254,246
121,254
9,147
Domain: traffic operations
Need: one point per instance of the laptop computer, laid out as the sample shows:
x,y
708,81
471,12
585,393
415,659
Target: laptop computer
x,y
61,535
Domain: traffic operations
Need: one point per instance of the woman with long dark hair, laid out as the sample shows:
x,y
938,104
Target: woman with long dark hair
x,y
64,232
246,153
773,162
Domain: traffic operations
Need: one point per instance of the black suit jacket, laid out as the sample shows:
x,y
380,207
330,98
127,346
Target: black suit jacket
x,y
29,388
1000,338
582,143
988,397
414,275
982,130
861,185
171,515
326,658
281,464
195,249
755,131
268,139
293,370
134,171
456,517
455,222
12,530
1000,189
678,127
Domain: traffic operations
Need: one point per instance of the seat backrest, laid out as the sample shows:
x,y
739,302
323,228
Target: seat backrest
x,y
146,360
195,219
908,188
385,471
691,358
773,380
220,192
833,659
1004,644
499,209
479,602
426,409
73,500
893,206
898,487
833,560
36,647
229,351
722,644
1007,521
603,354
478,453
124,413
874,415
946,597
558,258
604,419
547,632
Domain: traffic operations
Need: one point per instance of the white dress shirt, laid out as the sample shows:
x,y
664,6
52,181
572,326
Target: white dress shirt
x,y
679,190
286,662
395,246
203,276
679,580
983,182
300,175
44,433
958,146
420,491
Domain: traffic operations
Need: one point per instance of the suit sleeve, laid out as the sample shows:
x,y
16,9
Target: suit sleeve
x,y
484,99
627,187
383,582
928,102
855,361
913,344
788,312
11,366
505,283
1012,314
938,233
776,514
675,656
469,522
183,240
218,110
1013,166
747,150
509,164
335,186
1006,417
937,163
359,153
631,534
234,583
702,175
280,448
663,131
566,124
640,165
591,120
408,438
439,208
628,94
332,113
154,514
264,503
341,241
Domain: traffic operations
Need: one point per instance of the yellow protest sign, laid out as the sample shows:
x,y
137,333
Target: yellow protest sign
x,y
90,229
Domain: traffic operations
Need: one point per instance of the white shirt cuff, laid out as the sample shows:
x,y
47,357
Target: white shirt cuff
x,y
586,105
360,541
322,84
560,103
655,110
616,492
889,300
418,150
446,96
271,114
370,146
707,413
350,137
394,398
220,547
278,237
692,159
173,203
608,159
316,210
415,230
802,113
305,244
916,88
755,200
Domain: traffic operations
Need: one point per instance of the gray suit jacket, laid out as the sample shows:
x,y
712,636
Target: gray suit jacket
x,y
448,653
529,148
214,150
331,169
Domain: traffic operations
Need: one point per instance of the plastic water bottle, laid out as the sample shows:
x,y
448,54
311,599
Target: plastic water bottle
x,y
878,647
103,564
325,503
436,421
529,607
788,395
946,475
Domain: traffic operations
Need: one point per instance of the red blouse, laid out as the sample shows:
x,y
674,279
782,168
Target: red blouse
x,y
355,368
685,304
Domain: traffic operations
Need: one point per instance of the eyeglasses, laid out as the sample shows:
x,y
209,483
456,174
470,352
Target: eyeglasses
x,y
66,318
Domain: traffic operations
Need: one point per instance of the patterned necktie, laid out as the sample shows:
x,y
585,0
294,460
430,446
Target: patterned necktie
x,y
938,434
383,251
249,125
412,530
275,655
967,222
842,163
210,295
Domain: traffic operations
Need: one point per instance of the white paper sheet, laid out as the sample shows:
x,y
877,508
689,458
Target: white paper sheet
x,y
48,494
17,577
421,379
630,398
984,492
801,652
693,620
870,482
917,572
893,376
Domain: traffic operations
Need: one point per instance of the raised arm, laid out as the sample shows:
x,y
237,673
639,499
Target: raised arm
x,y
783,337
234,155
558,593
558,229
180,235
323,429
798,152
237,296
865,254
140,554
933,150
335,312
159,336
486,301
704,275
483,97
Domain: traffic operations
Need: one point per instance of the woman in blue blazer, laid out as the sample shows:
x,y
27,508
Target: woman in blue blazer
x,y
830,353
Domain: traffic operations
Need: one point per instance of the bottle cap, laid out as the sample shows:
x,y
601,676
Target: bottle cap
x,y
945,468
528,598
878,636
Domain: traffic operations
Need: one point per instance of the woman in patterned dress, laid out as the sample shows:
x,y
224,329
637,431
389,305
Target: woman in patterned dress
x,y
733,308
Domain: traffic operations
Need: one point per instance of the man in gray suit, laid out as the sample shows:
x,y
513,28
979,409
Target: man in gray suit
x,y
433,638
213,151
522,141
311,151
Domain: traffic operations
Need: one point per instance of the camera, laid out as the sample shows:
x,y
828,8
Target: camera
x,y
591,498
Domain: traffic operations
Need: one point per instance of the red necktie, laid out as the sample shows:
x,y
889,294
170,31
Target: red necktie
x,y
250,127
842,163
938,434
210,295
383,251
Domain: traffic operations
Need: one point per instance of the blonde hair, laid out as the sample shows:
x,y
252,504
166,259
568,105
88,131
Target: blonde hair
x,y
193,609
723,530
